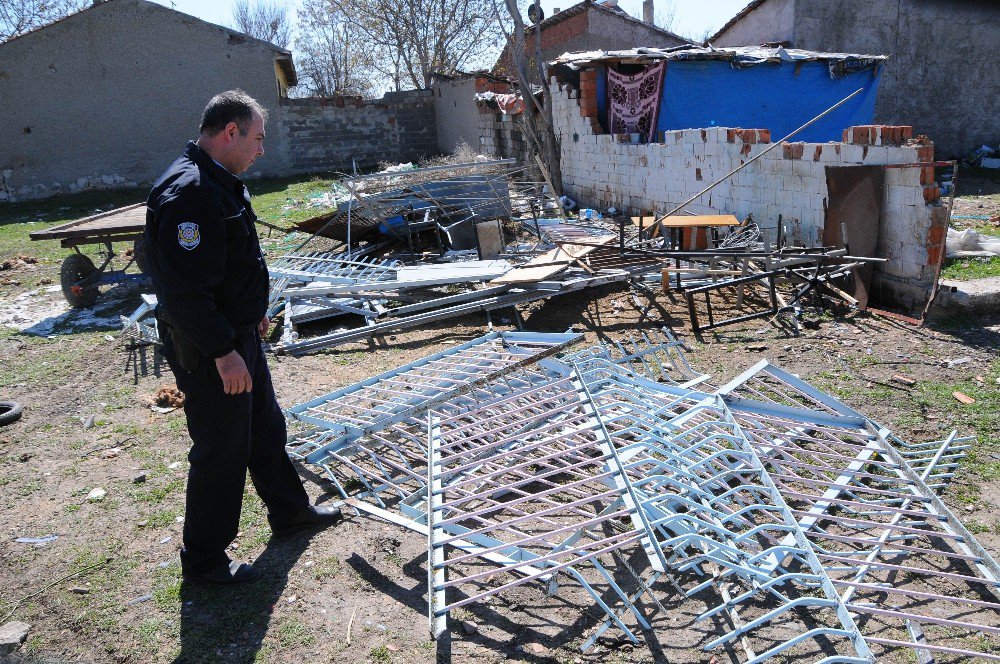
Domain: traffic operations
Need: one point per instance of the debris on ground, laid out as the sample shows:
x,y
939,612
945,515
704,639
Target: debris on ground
x,y
783,509
12,635
37,541
168,396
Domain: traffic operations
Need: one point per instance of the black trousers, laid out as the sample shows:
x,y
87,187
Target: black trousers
x,y
231,434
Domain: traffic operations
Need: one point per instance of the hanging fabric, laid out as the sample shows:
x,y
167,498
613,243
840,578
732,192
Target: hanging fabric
x,y
634,101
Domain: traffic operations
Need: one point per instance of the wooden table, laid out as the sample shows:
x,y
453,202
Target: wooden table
x,y
677,224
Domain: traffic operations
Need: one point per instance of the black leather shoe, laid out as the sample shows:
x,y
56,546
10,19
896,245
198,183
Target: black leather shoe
x,y
233,572
314,516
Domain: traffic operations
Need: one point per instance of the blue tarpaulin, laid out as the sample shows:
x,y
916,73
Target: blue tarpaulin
x,y
779,97
776,96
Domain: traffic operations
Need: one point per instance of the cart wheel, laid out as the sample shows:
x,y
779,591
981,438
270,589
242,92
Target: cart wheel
x,y
140,255
75,269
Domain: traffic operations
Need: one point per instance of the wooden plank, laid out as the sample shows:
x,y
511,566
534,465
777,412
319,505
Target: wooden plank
x,y
551,262
129,219
700,221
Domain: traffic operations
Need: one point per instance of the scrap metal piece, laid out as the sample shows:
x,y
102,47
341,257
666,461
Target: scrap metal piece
x,y
395,395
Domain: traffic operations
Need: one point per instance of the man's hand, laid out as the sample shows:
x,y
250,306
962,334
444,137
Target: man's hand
x,y
263,326
233,370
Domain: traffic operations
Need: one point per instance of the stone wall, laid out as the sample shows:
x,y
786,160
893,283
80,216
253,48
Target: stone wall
x,y
603,170
337,133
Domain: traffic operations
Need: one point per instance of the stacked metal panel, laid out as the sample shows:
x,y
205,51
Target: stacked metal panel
x,y
812,530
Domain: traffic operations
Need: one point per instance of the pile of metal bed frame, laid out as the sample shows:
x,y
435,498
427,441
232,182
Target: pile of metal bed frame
x,y
807,529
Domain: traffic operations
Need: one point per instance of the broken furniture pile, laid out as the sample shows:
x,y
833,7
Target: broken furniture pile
x,y
801,527
423,245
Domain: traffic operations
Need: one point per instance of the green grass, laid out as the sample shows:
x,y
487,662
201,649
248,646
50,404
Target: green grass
x,y
292,632
285,201
965,269
379,655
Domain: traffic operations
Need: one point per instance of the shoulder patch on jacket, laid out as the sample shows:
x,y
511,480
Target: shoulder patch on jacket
x,y
188,235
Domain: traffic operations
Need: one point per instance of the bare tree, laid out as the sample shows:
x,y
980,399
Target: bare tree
x,y
537,116
415,38
333,56
264,20
20,16
664,14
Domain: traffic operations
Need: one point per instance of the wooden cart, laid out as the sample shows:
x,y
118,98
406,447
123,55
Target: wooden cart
x,y
79,277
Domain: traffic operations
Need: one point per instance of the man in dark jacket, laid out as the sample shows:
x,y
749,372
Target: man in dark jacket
x,y
211,283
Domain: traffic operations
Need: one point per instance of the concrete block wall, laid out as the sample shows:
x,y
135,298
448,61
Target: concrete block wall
x,y
604,170
328,134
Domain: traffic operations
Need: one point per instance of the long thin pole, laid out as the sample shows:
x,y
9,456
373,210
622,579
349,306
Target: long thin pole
x,y
744,165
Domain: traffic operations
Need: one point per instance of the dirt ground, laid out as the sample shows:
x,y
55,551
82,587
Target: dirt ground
x,y
108,588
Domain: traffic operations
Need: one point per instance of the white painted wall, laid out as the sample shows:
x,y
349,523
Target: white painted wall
x,y
603,171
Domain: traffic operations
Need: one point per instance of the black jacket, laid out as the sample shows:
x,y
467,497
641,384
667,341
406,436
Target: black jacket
x,y
204,255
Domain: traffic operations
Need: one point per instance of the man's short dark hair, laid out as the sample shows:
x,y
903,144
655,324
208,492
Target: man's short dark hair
x,y
230,106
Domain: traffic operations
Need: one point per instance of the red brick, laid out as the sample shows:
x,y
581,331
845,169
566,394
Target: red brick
x,y
927,175
817,153
731,135
925,153
763,135
697,174
907,133
931,193
846,138
588,75
595,124
704,136
861,135
793,150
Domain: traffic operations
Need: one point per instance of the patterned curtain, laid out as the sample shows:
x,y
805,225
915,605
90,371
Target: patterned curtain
x,y
634,101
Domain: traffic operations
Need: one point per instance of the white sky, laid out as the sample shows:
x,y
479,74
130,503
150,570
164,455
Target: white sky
x,y
691,17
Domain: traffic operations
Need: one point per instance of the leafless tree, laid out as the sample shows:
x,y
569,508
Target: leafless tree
x,y
333,56
264,20
20,16
664,14
416,38
537,116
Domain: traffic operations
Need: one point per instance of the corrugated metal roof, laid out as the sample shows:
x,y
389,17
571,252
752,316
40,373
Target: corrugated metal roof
x,y
739,55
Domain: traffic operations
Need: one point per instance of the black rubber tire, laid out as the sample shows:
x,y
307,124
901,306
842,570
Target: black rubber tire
x,y
10,412
140,255
76,268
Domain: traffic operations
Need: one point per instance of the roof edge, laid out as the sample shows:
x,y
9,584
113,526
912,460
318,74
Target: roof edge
x,y
148,3
734,20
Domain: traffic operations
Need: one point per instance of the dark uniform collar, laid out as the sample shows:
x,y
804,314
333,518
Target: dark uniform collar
x,y
197,154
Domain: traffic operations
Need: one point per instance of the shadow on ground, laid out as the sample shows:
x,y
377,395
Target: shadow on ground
x,y
229,623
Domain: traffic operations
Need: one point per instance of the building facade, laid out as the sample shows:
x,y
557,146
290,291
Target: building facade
x,y
107,98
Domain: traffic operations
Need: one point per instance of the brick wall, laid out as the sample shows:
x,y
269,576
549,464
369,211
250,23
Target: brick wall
x,y
603,170
327,134
561,32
